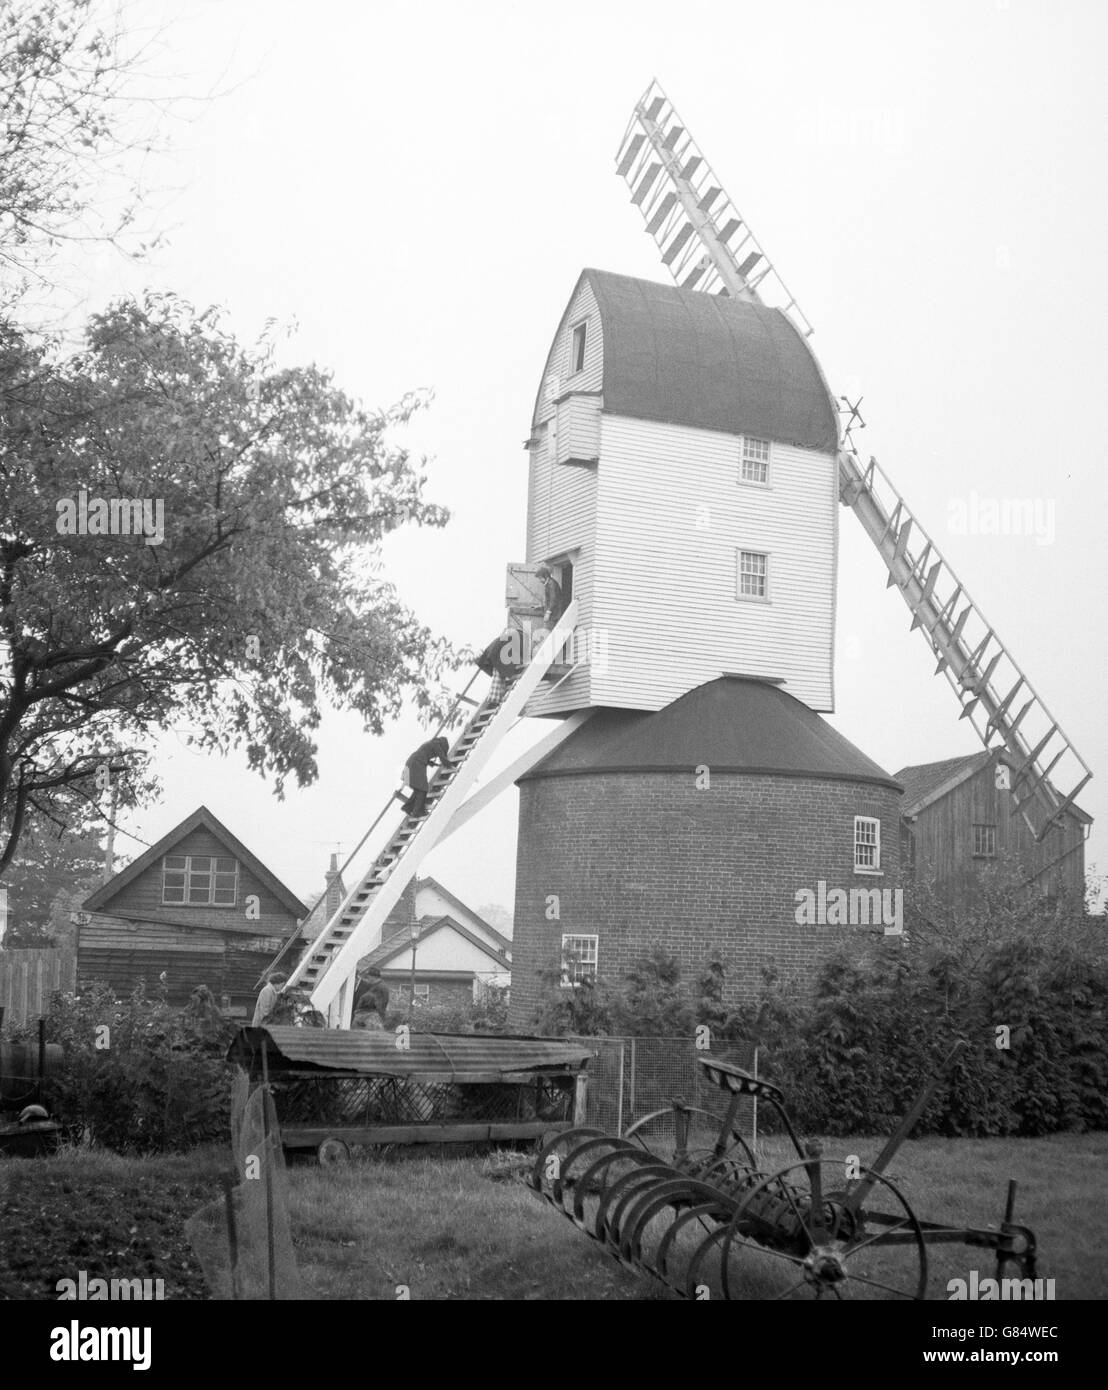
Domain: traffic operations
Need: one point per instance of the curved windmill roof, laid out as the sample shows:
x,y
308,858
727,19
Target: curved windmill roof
x,y
733,724
683,357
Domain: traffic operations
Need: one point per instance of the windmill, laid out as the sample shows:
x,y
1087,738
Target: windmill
x,y
708,246
629,430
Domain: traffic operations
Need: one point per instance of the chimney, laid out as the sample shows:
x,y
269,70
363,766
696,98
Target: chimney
x,y
334,891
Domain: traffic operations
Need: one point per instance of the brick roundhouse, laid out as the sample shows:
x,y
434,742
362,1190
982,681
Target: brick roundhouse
x,y
693,829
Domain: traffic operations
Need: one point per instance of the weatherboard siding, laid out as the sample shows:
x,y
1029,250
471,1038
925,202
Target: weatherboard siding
x,y
672,515
561,519
557,377
142,897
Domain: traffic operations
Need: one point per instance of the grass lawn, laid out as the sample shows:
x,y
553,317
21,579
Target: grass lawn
x,y
464,1228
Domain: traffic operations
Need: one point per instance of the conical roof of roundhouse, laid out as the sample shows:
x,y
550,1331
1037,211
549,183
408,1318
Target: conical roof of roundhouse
x,y
732,724
683,357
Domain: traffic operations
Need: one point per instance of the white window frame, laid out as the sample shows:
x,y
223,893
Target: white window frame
x,y
866,844
759,454
421,991
759,554
577,979
581,328
191,869
990,838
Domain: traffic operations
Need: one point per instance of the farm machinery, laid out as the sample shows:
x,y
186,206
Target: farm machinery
x,y
681,1197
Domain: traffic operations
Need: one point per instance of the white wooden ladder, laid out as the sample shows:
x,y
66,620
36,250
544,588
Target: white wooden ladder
x,y
329,963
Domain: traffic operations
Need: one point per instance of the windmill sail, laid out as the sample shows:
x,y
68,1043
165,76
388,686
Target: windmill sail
x,y
707,246
705,242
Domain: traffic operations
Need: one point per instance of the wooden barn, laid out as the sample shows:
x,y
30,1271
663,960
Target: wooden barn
x,y
957,823
197,908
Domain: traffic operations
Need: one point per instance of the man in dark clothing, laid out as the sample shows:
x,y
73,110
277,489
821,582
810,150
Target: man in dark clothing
x,y
551,596
415,773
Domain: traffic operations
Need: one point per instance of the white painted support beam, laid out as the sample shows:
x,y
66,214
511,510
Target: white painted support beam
x,y
524,763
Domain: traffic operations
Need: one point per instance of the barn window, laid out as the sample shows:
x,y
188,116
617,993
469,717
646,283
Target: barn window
x,y
755,467
422,991
984,841
200,880
578,959
578,362
753,574
867,845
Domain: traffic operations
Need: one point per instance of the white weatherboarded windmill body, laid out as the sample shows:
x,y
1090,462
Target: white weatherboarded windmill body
x,y
687,468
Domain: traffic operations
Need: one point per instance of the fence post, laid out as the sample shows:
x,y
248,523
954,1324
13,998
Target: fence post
x,y
581,1098
619,1110
631,1095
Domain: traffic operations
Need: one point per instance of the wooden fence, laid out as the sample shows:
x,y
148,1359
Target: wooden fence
x,y
29,977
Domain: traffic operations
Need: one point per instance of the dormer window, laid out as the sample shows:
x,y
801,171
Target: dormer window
x,y
577,360
199,880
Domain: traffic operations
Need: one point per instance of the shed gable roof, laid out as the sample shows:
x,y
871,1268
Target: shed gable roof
x,y
97,900
926,783
683,357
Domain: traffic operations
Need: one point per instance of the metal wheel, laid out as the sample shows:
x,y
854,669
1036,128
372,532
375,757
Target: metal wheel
x,y
333,1153
687,1137
795,1238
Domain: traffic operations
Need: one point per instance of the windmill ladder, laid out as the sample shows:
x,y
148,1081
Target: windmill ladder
x,y
328,965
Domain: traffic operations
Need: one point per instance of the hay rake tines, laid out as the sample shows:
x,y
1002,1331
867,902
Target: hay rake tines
x,y
681,1197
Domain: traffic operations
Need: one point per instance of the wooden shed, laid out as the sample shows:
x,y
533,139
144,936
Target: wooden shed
x,y
197,908
958,821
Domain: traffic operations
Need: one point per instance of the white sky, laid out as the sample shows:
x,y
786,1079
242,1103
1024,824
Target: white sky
x,y
418,185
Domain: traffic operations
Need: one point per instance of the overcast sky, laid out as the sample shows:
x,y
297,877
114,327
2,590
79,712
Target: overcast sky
x,y
418,186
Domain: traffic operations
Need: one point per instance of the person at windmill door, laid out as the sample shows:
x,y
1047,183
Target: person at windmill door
x,y
435,750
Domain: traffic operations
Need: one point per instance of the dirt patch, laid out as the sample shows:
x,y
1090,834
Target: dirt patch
x,y
109,1216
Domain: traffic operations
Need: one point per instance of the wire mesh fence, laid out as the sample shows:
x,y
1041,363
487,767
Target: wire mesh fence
x,y
631,1078
243,1241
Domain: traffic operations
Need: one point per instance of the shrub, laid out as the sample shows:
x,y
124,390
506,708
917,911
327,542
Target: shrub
x,y
137,1076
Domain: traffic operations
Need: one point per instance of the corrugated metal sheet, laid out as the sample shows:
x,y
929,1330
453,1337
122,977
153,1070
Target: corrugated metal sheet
x,y
428,1054
731,725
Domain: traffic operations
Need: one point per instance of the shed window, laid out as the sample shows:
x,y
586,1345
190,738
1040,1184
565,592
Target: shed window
x,y
578,361
755,461
578,960
867,845
753,574
984,841
422,991
200,880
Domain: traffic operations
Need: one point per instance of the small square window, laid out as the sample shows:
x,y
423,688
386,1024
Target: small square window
x,y
755,466
578,959
422,991
984,841
753,574
867,844
578,361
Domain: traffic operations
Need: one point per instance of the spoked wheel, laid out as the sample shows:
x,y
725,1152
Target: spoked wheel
x,y
793,1237
687,1137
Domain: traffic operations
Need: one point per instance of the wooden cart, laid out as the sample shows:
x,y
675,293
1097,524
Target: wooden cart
x,y
334,1088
